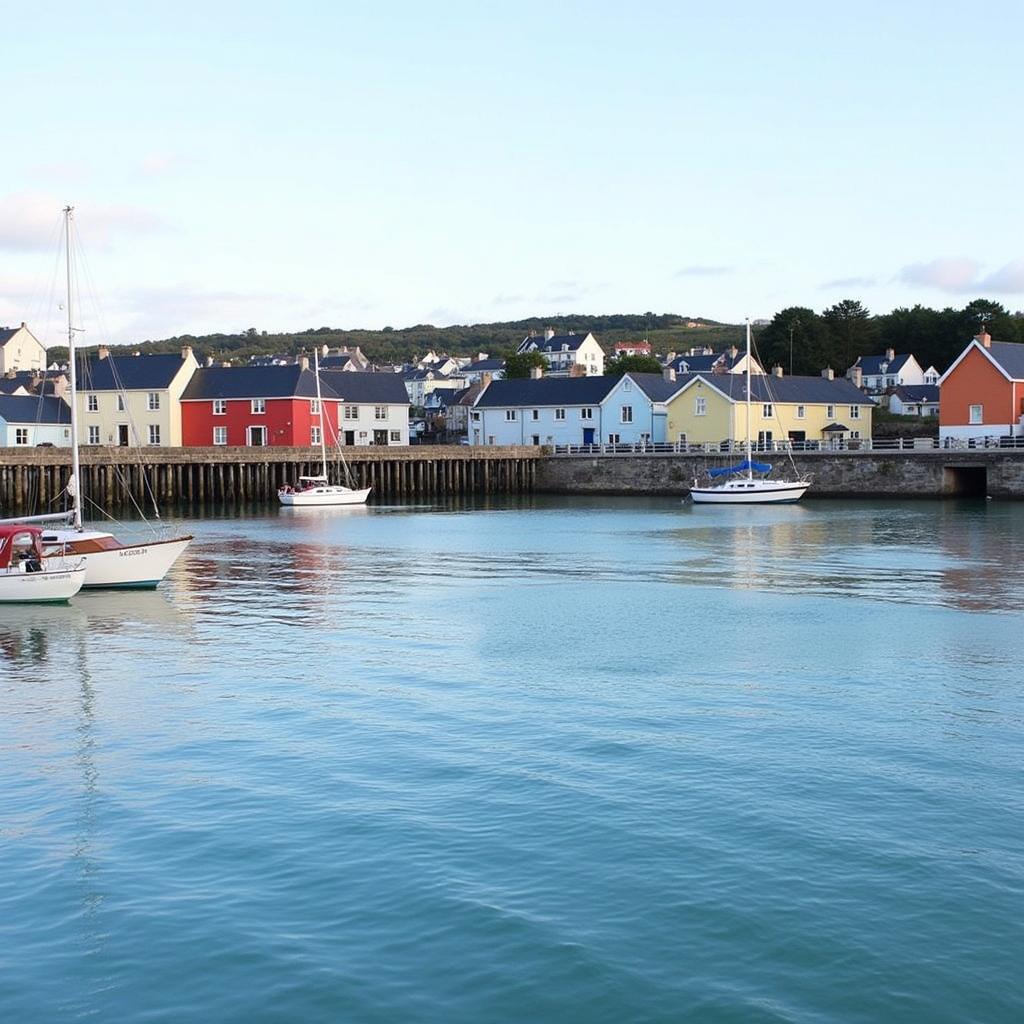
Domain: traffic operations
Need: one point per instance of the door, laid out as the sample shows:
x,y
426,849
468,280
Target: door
x,y
257,437
350,437
380,437
588,435
798,436
122,435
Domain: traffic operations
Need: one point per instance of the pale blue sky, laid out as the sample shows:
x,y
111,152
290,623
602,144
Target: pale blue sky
x,y
360,164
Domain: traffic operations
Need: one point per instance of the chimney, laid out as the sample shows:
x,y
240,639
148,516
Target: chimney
x,y
984,337
828,373
776,370
186,352
548,333
485,379
670,357
209,361
23,324
102,352
536,372
669,374
304,362
733,352
890,354
856,375
60,385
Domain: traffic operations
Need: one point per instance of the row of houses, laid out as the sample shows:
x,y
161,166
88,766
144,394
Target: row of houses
x,y
169,400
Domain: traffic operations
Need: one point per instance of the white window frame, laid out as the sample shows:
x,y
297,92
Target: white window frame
x,y
120,402
700,406
92,403
220,407
220,436
154,434
586,413
510,415
559,414
396,435
314,433
314,407
258,406
613,439
854,412
830,412
626,414
94,433
801,412
766,411
380,413
21,435
351,412
153,401
535,414
975,414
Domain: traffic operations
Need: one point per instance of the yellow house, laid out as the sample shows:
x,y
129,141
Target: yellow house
x,y
132,399
712,408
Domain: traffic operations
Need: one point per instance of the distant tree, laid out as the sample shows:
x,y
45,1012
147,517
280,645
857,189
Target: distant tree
x,y
851,331
520,364
631,364
796,338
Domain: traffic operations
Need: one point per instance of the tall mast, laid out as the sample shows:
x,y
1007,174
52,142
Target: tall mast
x,y
76,495
320,406
750,471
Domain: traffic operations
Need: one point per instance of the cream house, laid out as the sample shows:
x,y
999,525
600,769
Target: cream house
x,y
20,349
132,399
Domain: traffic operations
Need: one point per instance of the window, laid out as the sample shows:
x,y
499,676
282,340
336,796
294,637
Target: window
x,y
120,403
351,412
627,385
154,433
476,416
854,412
510,415
314,407
801,411
559,414
976,414
490,439
766,411
220,435
220,408
700,407
586,414
94,434
314,435
613,438
21,435
258,406
626,414
380,412
535,414
396,435
92,403
830,411
536,440
153,401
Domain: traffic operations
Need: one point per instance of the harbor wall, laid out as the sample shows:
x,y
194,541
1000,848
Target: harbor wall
x,y
898,474
32,480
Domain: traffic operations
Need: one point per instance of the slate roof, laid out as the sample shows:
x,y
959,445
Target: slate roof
x,y
8,385
553,344
365,387
1010,356
6,333
835,428
871,366
335,362
701,363
484,365
917,392
290,381
129,373
32,409
525,391
654,385
784,390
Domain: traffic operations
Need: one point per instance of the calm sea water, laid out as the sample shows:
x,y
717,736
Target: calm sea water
x,y
573,760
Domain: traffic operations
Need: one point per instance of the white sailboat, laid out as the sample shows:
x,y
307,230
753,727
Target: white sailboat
x,y
27,576
318,490
747,483
109,563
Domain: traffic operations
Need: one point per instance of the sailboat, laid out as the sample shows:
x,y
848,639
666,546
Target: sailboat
x,y
747,482
27,577
318,490
109,563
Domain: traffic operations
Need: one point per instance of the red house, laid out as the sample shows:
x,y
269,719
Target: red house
x,y
276,405
982,393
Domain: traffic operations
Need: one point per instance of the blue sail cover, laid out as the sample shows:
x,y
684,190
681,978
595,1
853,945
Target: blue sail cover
x,y
757,467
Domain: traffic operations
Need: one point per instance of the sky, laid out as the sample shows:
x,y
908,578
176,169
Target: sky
x,y
347,164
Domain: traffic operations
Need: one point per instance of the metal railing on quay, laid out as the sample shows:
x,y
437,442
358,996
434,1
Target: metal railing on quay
x,y
825,447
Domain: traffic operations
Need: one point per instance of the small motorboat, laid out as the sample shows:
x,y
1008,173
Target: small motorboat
x,y
26,576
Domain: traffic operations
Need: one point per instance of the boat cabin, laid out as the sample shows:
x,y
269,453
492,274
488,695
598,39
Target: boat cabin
x,y
21,548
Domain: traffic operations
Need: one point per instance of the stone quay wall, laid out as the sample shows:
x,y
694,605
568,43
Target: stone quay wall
x,y
898,474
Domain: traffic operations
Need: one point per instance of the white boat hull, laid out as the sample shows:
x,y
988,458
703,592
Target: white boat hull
x,y
46,587
126,567
325,495
761,492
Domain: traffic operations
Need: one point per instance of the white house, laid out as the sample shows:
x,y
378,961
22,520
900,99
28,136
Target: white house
x,y
27,420
419,384
915,400
564,350
20,349
890,370
374,409
707,360
483,364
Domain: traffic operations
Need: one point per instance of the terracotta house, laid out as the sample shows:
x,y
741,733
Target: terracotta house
x,y
982,393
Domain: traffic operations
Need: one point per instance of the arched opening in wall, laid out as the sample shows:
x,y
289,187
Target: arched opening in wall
x,y
965,481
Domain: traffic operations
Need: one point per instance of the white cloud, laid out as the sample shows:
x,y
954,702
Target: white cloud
x,y
30,222
948,275
1007,280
